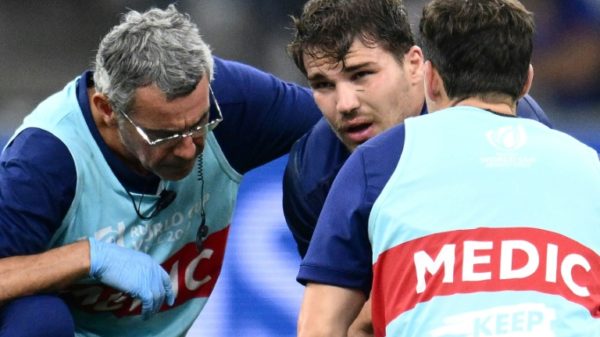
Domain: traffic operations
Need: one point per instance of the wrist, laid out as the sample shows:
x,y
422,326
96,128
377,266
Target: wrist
x,y
91,252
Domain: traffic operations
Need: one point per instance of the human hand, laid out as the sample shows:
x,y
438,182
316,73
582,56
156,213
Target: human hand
x,y
133,272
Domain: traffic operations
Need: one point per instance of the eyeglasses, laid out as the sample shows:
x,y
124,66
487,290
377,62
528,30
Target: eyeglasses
x,y
155,138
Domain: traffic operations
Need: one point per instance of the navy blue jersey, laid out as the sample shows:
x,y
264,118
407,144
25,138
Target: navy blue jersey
x,y
362,191
263,117
313,164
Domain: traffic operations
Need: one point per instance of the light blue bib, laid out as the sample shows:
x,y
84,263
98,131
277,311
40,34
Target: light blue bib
x,y
488,227
103,209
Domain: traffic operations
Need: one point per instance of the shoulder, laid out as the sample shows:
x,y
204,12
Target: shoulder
x,y
386,148
316,158
342,226
231,74
374,162
37,173
41,158
262,114
244,83
27,147
527,107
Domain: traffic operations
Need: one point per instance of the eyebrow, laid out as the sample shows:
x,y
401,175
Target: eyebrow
x,y
357,66
316,77
353,68
204,116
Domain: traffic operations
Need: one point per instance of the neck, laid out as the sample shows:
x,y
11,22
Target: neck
x,y
503,108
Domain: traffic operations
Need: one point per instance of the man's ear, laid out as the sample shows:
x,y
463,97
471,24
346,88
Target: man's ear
x,y
101,104
414,64
528,82
431,81
435,91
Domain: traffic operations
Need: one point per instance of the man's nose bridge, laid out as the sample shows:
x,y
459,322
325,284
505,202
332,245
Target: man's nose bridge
x,y
186,146
347,99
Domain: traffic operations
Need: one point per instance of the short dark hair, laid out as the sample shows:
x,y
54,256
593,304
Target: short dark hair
x,y
479,47
327,28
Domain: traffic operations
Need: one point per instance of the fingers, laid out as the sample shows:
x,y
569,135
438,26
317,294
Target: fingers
x,y
133,272
160,289
152,300
147,304
168,289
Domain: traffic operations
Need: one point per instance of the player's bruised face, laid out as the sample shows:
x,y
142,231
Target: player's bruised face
x,y
171,160
369,93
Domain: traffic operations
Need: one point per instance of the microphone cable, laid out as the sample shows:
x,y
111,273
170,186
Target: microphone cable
x,y
165,199
203,229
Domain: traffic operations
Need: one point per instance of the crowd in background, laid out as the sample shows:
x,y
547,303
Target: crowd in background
x,y
43,44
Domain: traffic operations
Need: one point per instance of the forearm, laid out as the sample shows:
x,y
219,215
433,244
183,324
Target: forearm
x,y
48,271
328,311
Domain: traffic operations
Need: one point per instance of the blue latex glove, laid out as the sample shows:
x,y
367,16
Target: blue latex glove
x,y
133,272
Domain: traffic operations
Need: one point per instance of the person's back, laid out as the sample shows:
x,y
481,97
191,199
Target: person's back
x,y
497,226
468,221
492,217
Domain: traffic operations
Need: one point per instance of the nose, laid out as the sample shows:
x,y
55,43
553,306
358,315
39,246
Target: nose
x,y
189,147
347,99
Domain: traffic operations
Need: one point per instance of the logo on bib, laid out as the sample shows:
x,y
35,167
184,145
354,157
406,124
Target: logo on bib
x,y
507,140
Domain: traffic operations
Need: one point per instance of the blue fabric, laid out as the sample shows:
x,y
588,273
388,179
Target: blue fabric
x,y
313,164
263,116
354,205
35,316
32,205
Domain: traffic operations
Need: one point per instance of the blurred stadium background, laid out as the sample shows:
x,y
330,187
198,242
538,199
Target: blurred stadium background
x,y
44,44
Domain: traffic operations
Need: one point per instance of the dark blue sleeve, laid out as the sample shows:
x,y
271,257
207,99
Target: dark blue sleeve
x,y
340,251
299,214
37,186
262,115
527,107
313,163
